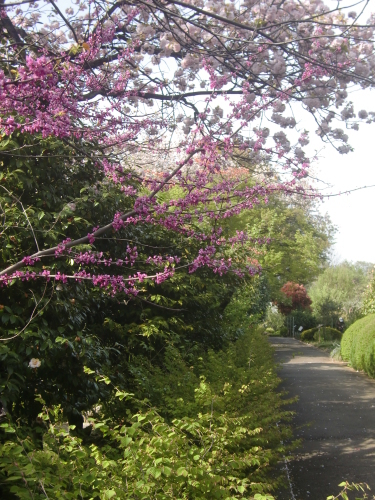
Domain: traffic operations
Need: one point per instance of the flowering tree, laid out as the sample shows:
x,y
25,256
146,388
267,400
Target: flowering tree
x,y
189,83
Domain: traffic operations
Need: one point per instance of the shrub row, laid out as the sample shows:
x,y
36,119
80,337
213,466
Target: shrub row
x,y
326,333
220,443
358,345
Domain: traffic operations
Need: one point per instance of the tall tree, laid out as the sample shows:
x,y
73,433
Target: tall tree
x,y
299,239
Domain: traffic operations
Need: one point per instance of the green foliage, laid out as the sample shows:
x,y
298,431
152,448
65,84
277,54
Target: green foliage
x,y
274,319
347,487
304,318
369,295
48,187
336,352
250,301
180,392
283,331
308,335
338,292
358,345
300,240
222,450
326,333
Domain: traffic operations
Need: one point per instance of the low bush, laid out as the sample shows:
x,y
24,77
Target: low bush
x,y
328,333
358,345
283,331
218,443
308,334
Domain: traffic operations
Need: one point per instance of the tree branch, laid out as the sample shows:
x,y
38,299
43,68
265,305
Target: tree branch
x,y
86,239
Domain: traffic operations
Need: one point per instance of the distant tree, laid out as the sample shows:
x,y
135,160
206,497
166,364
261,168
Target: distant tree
x,y
339,292
296,298
369,295
274,319
300,239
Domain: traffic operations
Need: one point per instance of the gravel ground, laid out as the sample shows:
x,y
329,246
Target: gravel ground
x,y
335,418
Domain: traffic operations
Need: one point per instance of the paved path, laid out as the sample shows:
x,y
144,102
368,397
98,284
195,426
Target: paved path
x,y
335,418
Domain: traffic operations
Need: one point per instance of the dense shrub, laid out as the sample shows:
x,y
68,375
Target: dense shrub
x,y
283,331
327,333
308,334
304,318
221,433
358,345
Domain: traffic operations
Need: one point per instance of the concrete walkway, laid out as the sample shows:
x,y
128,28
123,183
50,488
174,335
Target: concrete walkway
x,y
335,418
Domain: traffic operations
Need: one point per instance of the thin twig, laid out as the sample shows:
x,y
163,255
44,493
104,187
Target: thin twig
x,y
24,211
161,307
32,317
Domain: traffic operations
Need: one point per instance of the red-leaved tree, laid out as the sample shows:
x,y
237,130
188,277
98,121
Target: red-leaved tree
x,y
295,298
160,95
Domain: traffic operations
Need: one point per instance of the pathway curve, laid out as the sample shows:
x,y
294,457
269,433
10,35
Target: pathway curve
x,y
335,418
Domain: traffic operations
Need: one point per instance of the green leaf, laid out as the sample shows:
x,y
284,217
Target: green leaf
x,y
157,473
121,395
126,440
109,493
167,471
181,471
88,370
7,428
105,379
5,318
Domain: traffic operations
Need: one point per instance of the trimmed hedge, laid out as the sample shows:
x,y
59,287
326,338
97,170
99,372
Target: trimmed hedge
x,y
358,345
325,334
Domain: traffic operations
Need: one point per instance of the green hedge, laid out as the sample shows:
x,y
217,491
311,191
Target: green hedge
x,y
308,334
358,345
328,333
325,334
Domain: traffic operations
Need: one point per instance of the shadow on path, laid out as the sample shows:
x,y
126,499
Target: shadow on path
x,y
335,418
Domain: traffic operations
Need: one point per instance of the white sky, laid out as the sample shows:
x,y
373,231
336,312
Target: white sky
x,y
354,214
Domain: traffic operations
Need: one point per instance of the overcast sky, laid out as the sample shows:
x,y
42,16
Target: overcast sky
x,y
354,214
